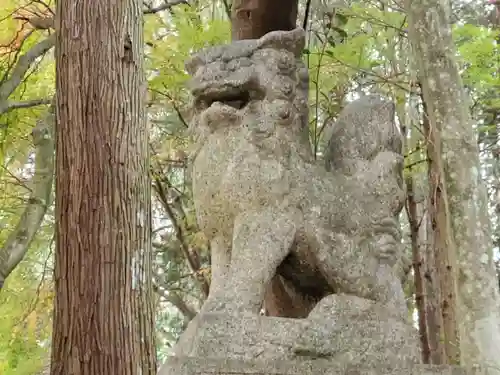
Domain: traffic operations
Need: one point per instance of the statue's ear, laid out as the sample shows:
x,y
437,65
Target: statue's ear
x,y
293,40
203,57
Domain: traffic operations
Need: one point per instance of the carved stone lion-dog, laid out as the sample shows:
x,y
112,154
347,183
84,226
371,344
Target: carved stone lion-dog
x,y
327,232
267,207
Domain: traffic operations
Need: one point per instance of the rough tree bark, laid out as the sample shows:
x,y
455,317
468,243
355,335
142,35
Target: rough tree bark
x,y
464,199
439,244
252,19
412,209
103,322
493,120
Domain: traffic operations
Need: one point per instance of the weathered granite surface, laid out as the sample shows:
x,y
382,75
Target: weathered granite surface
x,y
342,329
329,231
227,366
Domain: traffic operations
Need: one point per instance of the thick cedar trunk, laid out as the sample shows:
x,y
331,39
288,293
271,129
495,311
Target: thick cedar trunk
x,y
252,19
103,322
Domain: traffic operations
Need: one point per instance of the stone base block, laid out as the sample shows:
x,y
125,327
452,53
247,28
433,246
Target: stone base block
x,y
341,329
216,366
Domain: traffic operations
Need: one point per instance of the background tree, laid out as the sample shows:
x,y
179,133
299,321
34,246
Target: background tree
x,y
464,257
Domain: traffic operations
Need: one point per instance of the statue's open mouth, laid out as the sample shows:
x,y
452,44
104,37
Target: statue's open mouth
x,y
236,100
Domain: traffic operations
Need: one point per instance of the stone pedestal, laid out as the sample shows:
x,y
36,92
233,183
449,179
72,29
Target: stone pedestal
x,y
217,366
343,335
340,329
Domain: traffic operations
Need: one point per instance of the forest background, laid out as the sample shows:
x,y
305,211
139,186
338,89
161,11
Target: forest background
x,y
363,48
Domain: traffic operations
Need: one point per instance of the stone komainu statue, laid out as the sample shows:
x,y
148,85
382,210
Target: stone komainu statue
x,y
317,242
264,203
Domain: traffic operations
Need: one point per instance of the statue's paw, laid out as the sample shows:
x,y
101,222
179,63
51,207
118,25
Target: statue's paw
x,y
387,241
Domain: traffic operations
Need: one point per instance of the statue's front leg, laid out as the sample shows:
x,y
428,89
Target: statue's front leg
x,y
220,249
261,241
220,260
389,291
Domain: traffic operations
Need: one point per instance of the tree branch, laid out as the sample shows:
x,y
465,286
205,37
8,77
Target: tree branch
x,y
39,23
191,258
19,71
172,297
18,242
227,8
176,108
26,104
165,6
25,61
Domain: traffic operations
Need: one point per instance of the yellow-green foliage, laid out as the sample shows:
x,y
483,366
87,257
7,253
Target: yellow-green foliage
x,y
25,319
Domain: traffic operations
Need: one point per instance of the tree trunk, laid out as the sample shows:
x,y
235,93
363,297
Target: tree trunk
x,y
463,193
494,144
252,19
103,320
418,264
436,273
18,242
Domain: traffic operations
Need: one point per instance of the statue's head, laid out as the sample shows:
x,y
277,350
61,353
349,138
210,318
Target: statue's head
x,y
257,86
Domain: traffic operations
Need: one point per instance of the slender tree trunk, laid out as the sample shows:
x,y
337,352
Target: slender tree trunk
x,y
418,263
103,322
418,218
437,276
494,120
462,191
18,242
